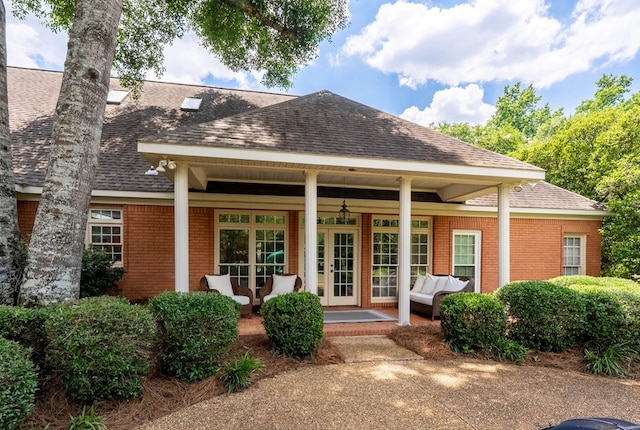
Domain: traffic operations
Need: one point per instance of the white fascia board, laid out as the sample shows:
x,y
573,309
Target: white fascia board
x,y
417,168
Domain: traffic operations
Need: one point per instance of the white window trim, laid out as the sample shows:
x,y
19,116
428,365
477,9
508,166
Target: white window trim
x,y
110,222
252,226
583,251
416,230
477,251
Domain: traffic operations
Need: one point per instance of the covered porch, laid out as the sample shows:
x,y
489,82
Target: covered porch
x,y
314,153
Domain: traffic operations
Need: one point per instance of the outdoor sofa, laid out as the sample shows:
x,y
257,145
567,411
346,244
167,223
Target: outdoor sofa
x,y
428,291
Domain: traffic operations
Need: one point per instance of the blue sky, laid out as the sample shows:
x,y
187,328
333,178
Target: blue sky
x,y
424,60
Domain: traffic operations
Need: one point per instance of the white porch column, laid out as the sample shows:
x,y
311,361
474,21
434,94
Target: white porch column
x,y
181,226
404,252
311,232
504,263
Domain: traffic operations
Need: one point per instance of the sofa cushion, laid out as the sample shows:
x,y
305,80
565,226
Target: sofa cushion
x,y
243,300
221,283
429,286
454,284
426,299
283,284
417,286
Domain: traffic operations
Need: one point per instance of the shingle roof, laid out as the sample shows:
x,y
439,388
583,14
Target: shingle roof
x,y
320,123
324,123
542,196
32,99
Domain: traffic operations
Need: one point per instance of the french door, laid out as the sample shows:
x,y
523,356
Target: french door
x,y
337,266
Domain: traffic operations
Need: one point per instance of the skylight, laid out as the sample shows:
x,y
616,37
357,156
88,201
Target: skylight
x,y
115,97
191,104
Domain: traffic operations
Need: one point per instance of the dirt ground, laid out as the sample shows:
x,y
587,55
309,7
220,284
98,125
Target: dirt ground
x,y
163,396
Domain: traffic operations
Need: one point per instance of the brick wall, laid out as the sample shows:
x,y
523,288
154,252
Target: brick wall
x,y
148,234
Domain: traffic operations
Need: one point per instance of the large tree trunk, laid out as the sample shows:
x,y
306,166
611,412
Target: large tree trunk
x,y
55,253
9,233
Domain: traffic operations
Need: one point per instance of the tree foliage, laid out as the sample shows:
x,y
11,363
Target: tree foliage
x,y
273,36
595,153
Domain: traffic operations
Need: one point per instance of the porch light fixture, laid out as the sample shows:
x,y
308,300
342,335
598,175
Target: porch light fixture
x,y
344,214
169,164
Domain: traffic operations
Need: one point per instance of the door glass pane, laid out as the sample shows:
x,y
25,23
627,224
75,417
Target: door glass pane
x,y
270,255
234,254
321,265
343,264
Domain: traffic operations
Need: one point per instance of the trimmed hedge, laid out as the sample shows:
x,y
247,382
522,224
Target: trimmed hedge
x,y
294,323
543,316
100,347
472,321
196,330
18,384
26,326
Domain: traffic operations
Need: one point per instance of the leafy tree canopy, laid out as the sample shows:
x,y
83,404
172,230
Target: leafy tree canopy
x,y
274,36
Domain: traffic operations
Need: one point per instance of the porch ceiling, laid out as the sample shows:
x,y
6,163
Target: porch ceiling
x,y
452,186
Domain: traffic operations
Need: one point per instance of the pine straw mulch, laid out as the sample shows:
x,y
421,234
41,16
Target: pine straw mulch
x,y
163,396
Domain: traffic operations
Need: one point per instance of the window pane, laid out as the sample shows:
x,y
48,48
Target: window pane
x,y
464,255
234,246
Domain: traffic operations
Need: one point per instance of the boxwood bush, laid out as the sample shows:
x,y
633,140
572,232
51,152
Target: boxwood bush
x,y
25,326
100,347
294,323
472,321
196,330
18,383
542,315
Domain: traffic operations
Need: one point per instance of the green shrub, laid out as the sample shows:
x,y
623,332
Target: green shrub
x,y
471,321
237,374
608,282
25,326
88,420
18,384
100,347
542,315
196,331
294,323
98,276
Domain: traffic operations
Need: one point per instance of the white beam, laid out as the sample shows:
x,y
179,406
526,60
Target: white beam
x,y
504,251
404,252
311,231
181,226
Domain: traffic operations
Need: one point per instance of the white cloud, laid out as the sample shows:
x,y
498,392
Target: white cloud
x,y
32,46
453,105
186,61
486,40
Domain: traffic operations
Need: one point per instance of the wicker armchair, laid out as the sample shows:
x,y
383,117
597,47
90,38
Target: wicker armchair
x,y
238,290
268,286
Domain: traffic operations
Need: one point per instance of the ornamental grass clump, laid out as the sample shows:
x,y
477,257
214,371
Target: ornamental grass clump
x,y
18,384
196,331
236,375
543,316
294,323
100,348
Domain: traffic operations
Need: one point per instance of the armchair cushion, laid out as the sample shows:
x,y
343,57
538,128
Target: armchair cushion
x,y
283,284
221,283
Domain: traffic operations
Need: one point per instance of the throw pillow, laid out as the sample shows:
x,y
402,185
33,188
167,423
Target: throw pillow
x,y
222,283
429,286
283,284
417,286
455,284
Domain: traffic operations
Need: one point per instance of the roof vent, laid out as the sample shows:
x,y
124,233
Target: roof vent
x,y
191,104
115,97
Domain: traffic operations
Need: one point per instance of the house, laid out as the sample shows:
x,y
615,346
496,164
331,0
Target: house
x,y
196,180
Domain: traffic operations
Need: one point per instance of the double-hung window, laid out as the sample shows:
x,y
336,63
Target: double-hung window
x,y
251,246
384,282
574,254
466,254
104,231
